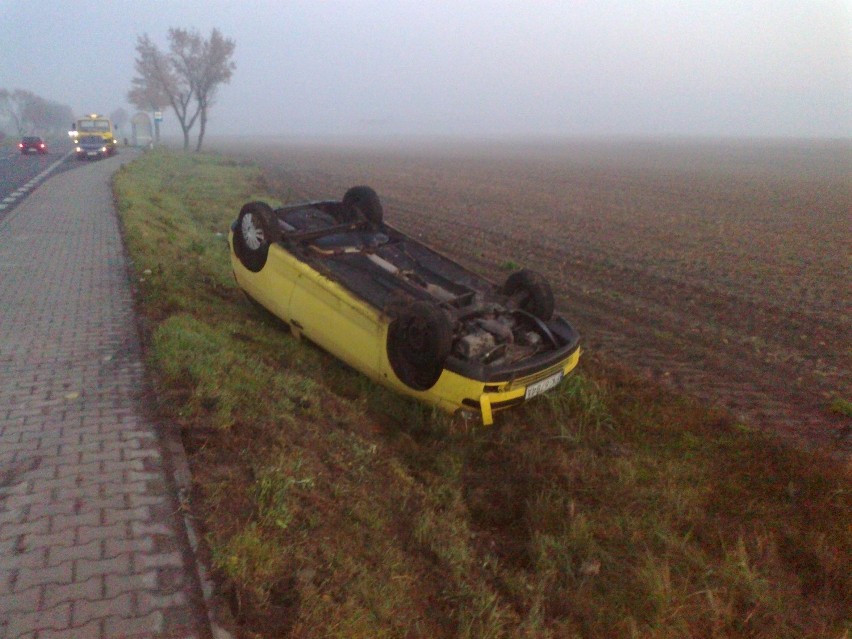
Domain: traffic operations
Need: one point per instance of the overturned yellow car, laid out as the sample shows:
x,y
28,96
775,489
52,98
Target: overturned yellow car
x,y
398,311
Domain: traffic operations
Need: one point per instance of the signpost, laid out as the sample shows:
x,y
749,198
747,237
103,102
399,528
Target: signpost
x,y
158,117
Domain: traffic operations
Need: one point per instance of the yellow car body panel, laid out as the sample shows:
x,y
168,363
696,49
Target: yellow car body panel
x,y
354,331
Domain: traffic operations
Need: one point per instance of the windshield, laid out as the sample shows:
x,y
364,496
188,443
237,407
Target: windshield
x,y
93,125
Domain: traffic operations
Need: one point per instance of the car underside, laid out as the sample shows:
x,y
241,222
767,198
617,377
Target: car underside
x,y
493,336
441,316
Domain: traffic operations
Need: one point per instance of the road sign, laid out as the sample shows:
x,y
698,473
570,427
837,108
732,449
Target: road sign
x,y
158,116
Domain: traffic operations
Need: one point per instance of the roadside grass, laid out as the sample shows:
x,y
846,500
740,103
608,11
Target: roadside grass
x,y
333,508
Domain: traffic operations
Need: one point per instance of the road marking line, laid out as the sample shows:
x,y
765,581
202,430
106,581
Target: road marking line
x,y
53,166
22,191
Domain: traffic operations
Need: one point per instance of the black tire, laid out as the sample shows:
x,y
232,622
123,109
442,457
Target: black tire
x,y
364,201
257,229
419,342
531,292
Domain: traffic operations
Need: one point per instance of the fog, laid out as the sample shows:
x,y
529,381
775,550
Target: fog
x,y
474,69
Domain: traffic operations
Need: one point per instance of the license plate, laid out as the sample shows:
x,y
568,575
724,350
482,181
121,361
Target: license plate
x,y
91,153
544,385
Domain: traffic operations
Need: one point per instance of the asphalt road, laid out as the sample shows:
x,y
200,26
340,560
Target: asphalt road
x,y
20,174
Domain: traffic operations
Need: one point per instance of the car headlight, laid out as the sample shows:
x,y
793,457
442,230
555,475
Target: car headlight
x,y
79,149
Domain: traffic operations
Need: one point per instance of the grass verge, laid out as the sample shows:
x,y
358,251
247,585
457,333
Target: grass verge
x,y
333,508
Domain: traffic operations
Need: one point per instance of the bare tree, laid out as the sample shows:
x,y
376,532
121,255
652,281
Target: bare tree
x,y
156,84
186,78
215,68
28,112
48,116
13,106
184,52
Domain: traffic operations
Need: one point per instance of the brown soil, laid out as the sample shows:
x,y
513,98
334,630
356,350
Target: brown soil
x,y
721,269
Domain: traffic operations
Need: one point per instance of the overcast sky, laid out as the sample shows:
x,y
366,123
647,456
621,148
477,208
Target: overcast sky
x,y
484,69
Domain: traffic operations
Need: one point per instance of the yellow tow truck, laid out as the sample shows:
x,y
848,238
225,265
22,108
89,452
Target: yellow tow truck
x,y
92,131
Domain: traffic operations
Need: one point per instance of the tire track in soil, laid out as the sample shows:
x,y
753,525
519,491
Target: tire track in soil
x,y
697,337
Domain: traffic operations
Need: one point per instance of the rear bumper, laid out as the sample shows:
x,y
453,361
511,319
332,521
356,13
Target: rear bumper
x,y
495,397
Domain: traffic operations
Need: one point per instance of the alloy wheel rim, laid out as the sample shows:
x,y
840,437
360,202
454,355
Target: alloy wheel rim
x,y
252,234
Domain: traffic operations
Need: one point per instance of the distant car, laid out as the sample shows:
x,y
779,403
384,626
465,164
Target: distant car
x,y
32,144
91,147
398,311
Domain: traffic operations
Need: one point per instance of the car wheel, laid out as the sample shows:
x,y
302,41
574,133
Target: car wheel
x,y
419,341
257,229
364,200
531,292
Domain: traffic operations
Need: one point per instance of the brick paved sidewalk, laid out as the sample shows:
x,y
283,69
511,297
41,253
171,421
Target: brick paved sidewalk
x,y
91,540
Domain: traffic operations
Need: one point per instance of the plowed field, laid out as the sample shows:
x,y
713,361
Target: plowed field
x,y
720,269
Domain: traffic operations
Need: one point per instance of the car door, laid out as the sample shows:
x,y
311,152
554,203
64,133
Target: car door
x,y
332,317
